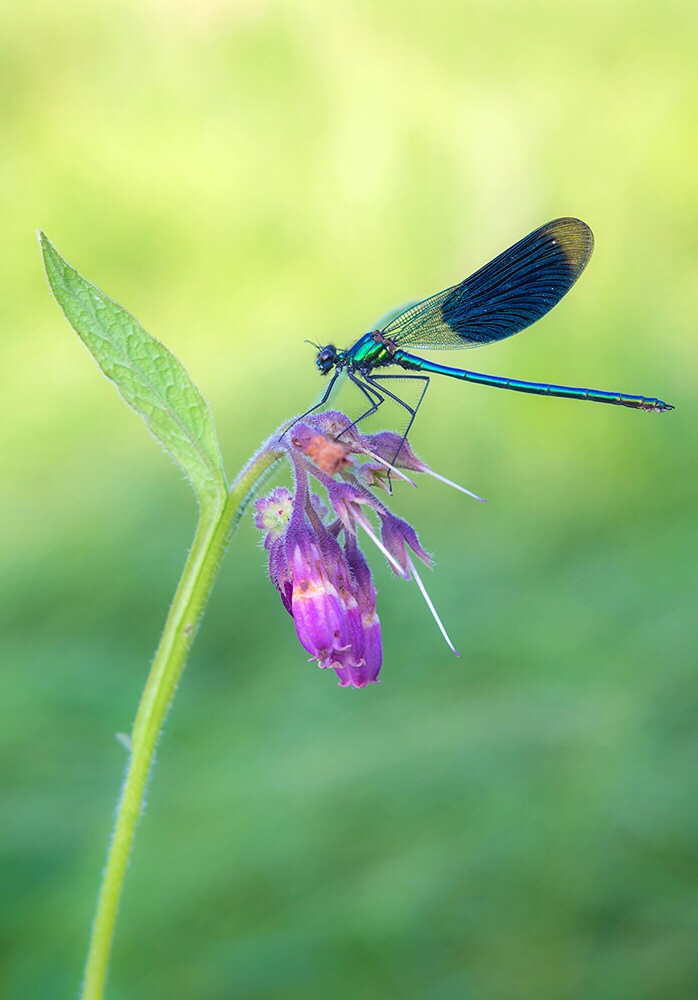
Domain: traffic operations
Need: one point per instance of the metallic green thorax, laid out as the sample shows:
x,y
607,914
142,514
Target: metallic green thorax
x,y
373,350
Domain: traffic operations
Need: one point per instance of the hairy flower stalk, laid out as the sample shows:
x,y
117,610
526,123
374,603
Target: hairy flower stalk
x,y
315,561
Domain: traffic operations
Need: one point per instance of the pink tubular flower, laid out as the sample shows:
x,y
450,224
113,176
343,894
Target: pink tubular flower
x,y
325,586
318,612
366,623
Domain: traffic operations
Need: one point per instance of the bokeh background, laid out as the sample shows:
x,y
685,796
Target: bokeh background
x,y
521,823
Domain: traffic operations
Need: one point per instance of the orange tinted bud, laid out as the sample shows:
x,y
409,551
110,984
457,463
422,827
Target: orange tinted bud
x,y
329,455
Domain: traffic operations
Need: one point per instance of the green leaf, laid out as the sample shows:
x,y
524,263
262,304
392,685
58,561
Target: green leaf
x,y
147,375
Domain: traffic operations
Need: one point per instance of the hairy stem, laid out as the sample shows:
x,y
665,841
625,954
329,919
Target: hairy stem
x,y
214,530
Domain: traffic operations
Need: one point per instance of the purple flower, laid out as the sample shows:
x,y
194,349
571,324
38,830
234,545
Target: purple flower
x,y
318,611
325,583
366,622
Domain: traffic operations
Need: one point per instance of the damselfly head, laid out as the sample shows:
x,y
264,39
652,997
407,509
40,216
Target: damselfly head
x,y
326,359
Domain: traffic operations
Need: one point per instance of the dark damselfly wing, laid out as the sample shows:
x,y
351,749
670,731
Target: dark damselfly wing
x,y
503,297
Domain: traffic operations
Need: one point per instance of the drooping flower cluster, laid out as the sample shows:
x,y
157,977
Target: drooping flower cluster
x,y
315,561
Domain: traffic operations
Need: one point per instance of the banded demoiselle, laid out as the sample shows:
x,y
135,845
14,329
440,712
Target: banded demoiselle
x,y
504,297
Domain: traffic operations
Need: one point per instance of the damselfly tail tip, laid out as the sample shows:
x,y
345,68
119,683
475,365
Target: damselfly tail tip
x,y
657,406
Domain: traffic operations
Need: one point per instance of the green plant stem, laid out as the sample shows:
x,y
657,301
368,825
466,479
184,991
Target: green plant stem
x,y
213,533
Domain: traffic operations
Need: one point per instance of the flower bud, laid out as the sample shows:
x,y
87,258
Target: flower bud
x,y
396,535
396,450
273,513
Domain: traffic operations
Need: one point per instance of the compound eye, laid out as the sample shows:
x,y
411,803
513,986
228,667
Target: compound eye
x,y
326,355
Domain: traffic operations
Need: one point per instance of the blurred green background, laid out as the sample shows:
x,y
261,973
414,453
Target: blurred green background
x,y
521,823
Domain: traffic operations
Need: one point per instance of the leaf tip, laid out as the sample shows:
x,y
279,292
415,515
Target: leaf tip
x,y
45,244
